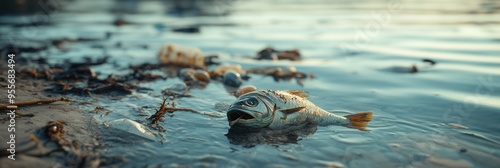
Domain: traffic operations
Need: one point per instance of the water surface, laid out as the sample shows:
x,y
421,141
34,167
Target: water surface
x,y
358,51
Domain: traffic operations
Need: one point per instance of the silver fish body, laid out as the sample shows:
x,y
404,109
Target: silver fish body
x,y
277,109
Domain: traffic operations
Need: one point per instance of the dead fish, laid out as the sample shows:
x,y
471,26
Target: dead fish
x,y
278,109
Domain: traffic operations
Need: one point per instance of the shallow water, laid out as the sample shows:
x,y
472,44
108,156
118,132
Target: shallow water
x,y
358,52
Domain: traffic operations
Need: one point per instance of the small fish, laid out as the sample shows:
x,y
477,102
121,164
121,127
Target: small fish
x,y
278,109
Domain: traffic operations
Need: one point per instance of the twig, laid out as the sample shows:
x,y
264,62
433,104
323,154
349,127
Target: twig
x,y
164,109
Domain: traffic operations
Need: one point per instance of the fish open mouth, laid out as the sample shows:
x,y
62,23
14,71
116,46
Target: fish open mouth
x,y
233,116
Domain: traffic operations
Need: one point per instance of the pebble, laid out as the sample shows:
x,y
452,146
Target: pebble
x,y
444,162
201,75
232,79
289,157
245,89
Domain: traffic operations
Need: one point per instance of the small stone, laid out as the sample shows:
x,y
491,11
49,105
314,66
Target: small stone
x,y
232,79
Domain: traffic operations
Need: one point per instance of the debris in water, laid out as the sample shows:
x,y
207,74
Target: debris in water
x,y
453,125
19,115
191,29
121,22
194,78
55,131
445,162
429,61
232,78
131,128
158,116
480,137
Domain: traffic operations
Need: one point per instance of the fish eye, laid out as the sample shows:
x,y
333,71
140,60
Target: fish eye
x,y
251,102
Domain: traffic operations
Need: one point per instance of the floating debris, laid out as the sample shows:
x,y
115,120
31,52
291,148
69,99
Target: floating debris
x,y
106,113
244,89
89,102
418,67
221,106
116,89
247,110
453,125
220,70
403,69
272,54
184,56
190,29
477,135
55,131
281,73
232,79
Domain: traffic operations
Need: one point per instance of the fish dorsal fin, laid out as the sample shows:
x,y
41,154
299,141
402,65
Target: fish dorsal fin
x,y
299,93
292,110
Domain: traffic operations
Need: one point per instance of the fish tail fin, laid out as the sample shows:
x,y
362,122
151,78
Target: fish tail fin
x,y
359,120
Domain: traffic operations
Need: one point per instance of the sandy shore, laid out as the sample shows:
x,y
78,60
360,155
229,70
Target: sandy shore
x,y
32,146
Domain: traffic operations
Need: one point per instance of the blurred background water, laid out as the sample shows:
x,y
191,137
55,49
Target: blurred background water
x,y
444,115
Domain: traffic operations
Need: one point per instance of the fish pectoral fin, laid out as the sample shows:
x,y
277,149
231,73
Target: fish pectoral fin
x,y
291,110
359,120
299,93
